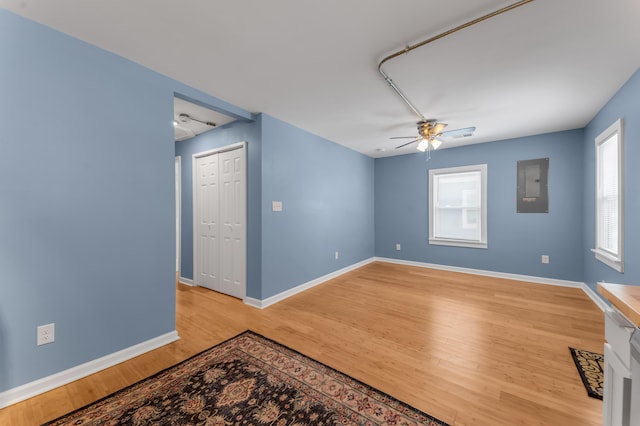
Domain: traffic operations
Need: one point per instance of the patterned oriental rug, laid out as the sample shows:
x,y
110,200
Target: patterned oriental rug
x,y
590,366
248,380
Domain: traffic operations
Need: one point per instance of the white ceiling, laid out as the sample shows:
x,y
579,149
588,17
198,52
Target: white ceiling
x,y
547,66
196,123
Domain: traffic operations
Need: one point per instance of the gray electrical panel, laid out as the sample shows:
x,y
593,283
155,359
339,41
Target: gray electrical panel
x,y
533,186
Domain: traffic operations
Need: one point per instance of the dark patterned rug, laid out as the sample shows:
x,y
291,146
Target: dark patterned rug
x,y
590,365
248,380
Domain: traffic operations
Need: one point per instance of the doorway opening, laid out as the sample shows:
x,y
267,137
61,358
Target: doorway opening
x,y
190,121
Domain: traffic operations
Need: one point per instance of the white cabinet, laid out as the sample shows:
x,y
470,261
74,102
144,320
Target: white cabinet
x,y
635,374
616,407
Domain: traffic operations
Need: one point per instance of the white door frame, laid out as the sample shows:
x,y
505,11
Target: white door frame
x,y
178,184
240,145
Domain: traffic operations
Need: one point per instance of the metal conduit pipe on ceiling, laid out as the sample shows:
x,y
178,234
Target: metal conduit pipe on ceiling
x,y
432,39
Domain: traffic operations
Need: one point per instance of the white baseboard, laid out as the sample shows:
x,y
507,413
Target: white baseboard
x,y
261,304
594,296
45,384
517,277
186,281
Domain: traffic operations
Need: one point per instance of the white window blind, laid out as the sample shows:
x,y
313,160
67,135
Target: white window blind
x,y
609,197
457,213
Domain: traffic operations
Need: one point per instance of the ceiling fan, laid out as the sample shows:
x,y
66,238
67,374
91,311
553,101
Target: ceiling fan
x,y
430,132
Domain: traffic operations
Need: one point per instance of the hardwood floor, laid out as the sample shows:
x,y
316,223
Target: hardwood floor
x,y
470,350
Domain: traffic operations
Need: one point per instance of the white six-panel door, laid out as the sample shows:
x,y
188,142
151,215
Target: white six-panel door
x,y
207,246
232,172
220,212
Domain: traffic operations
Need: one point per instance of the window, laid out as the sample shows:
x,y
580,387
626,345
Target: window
x,y
609,224
458,206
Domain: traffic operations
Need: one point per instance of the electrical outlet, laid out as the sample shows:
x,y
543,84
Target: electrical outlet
x,y
46,334
398,246
337,255
545,258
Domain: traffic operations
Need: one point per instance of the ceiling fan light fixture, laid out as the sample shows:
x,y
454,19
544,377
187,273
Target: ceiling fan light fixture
x,y
423,145
435,143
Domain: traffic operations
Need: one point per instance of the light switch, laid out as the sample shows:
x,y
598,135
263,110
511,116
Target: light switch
x,y
276,206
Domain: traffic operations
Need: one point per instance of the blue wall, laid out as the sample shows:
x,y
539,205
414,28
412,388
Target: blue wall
x,y
87,213
86,196
623,105
327,195
515,241
229,134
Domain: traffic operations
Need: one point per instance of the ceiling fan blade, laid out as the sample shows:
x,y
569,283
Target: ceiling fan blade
x,y
467,131
437,128
402,137
408,143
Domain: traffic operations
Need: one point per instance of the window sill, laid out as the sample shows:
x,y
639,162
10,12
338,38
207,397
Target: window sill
x,y
458,243
609,260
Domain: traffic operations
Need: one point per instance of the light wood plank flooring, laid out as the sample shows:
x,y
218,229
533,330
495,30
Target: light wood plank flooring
x,y
468,349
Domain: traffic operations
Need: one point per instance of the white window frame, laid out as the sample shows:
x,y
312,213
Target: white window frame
x,y
615,261
482,243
